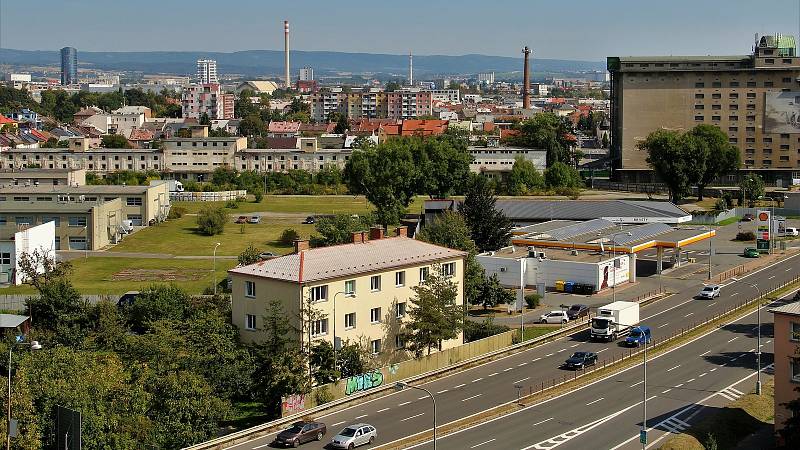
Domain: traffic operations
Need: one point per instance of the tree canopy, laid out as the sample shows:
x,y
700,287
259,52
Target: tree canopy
x,y
435,314
489,227
546,131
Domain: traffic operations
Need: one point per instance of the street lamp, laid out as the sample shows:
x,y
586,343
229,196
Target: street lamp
x,y
644,389
335,362
34,345
399,386
214,269
758,352
614,262
710,249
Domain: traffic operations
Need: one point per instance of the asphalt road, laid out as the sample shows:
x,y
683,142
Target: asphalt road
x,y
471,391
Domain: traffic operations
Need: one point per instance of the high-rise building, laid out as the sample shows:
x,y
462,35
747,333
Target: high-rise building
x,y
486,78
199,99
752,98
406,103
69,66
207,71
306,74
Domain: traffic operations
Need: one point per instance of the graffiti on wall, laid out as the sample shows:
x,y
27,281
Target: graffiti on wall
x,y
293,403
363,382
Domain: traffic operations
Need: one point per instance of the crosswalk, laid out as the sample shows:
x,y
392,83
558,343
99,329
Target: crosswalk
x,y
674,425
730,393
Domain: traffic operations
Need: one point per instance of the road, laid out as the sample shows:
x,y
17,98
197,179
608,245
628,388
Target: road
x,y
471,391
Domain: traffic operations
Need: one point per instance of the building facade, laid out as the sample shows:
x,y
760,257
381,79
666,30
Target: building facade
x,y
787,359
306,74
42,177
407,103
199,99
196,158
69,66
497,162
749,97
207,71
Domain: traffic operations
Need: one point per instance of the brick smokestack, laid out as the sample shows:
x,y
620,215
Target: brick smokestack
x,y
526,80
286,52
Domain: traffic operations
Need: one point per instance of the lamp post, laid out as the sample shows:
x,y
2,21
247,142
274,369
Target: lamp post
x,y
335,362
644,390
614,262
758,351
710,250
34,346
399,386
214,267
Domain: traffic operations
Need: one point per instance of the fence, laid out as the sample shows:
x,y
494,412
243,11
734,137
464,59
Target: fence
x,y
217,196
713,218
16,302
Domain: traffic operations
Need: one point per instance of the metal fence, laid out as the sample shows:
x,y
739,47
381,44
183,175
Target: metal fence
x,y
217,196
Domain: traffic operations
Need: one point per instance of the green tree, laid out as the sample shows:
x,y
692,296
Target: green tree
x,y
251,125
115,141
561,175
288,236
352,359
250,255
323,362
667,156
493,294
722,157
338,229
392,86
523,178
342,124
489,227
157,302
548,132
205,120
442,163
211,220
434,315
752,188
605,142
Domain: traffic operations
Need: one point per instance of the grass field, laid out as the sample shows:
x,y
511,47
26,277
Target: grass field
x,y
728,221
302,204
108,275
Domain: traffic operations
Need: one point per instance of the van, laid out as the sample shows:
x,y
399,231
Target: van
x,y
638,336
792,231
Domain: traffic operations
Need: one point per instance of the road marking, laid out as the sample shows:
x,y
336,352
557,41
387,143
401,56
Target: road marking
x,y
712,303
688,314
602,350
562,350
771,277
403,404
492,374
521,364
470,398
262,446
382,410
520,381
549,354
573,346
665,391
752,350
535,359
705,353
673,368
678,385
460,386
409,418
442,391
735,390
713,369
735,293
337,424
703,374
476,380
662,326
507,369
543,421
636,384
423,397
732,339
689,381
788,270
595,401
485,442
361,417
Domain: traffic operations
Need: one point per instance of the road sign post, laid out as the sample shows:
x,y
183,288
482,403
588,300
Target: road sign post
x,y
643,437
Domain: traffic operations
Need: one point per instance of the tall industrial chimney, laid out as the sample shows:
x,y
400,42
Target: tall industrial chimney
x,y
526,81
286,52
410,69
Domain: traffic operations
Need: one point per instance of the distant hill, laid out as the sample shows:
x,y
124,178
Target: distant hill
x,y
270,62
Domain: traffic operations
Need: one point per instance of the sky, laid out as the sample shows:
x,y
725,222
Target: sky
x,y
575,29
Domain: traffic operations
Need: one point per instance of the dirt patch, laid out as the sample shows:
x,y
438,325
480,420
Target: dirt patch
x,y
159,275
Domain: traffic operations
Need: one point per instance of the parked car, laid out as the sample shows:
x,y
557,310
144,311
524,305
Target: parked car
x,y
241,219
579,360
300,433
751,252
554,317
355,435
310,219
267,255
748,217
638,336
710,291
792,231
127,299
576,311
254,219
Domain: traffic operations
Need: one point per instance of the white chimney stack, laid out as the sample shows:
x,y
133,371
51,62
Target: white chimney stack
x,y
410,69
286,52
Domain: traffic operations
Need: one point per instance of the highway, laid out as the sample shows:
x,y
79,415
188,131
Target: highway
x,y
401,414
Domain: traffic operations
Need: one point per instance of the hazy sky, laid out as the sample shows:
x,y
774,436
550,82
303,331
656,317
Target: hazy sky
x,y
575,29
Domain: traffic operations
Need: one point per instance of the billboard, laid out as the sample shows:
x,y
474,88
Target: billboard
x,y
782,112
763,230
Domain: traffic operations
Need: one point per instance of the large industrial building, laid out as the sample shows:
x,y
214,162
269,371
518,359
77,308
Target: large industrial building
x,y
754,99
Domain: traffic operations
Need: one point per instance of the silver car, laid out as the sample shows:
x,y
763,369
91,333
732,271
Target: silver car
x,y
355,435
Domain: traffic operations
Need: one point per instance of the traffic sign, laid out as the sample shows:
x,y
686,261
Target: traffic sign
x,y
643,436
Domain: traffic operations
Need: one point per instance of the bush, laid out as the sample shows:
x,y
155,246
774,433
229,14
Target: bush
x,y
474,330
573,193
720,205
232,204
323,395
258,196
533,300
176,212
745,236
211,221
288,236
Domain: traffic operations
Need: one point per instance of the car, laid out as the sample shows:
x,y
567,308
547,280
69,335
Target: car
x,y
748,217
638,336
554,317
300,433
254,219
576,311
579,360
267,255
127,299
241,219
310,219
751,252
709,291
353,436
792,231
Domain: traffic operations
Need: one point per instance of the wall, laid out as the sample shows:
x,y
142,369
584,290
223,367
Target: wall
x,y
40,238
784,348
219,196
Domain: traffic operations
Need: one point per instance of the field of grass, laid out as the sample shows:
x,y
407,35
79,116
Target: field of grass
x,y
301,204
728,221
108,275
534,331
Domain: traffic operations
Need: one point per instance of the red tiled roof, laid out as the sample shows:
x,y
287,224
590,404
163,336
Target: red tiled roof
x,y
141,135
284,127
326,128
413,127
4,120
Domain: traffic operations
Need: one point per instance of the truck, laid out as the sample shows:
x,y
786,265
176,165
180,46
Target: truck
x,y
614,320
172,185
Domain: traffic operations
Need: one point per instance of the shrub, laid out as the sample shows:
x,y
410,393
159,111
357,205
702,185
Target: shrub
x,y
479,330
258,196
745,236
211,221
176,212
288,236
573,193
232,204
720,205
533,300
323,395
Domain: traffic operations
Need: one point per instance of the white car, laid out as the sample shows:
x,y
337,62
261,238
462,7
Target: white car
x,y
355,435
554,317
792,231
710,291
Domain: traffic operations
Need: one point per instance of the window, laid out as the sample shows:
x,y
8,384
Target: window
x,y
733,118
734,84
733,106
699,106
399,342
75,221
716,96
5,259
23,220
375,283
699,85
733,95
249,289
375,315
794,368
400,278
400,309
699,96
350,288
319,327
698,118
349,321
3,220
716,84
133,201
795,332
77,243
751,95
55,219
768,84
375,346
449,269
249,322
423,274
716,107
319,293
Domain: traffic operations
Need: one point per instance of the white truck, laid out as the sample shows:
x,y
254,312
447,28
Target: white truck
x,y
614,320
172,185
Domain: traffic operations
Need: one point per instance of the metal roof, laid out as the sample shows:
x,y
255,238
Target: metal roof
x,y
789,308
619,211
11,320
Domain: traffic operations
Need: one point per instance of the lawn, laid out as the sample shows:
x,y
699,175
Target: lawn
x,y
728,221
108,275
532,332
303,204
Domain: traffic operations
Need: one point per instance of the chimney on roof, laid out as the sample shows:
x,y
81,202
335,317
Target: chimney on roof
x,y
375,233
401,231
300,245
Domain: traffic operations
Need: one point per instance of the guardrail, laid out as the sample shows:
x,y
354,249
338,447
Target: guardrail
x,y
269,427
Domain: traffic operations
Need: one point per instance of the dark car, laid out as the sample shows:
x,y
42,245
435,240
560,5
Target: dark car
x,y
748,217
576,311
579,360
241,219
310,219
127,299
300,433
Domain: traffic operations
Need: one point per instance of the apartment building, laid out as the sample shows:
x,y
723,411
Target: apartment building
x,y
787,359
446,95
752,98
497,162
97,160
362,290
207,71
372,103
308,155
199,99
195,158
41,177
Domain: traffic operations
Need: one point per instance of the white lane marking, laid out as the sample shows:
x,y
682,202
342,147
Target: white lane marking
x,y
460,386
403,404
602,350
562,350
733,389
703,374
713,369
733,339
361,416
507,369
712,303
470,398
476,380
423,397
752,350
535,359
771,277
485,442
690,380
673,368
521,364
262,446
412,417
788,270
549,354
665,391
543,421
442,391
662,326
492,374
573,346
768,341
735,293
636,384
337,424
705,353
382,410
595,401
678,385
520,381
688,314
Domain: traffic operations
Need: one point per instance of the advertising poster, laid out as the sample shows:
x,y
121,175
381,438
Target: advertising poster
x,y
782,112
763,220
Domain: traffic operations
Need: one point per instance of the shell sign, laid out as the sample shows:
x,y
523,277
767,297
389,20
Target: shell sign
x,y
763,225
